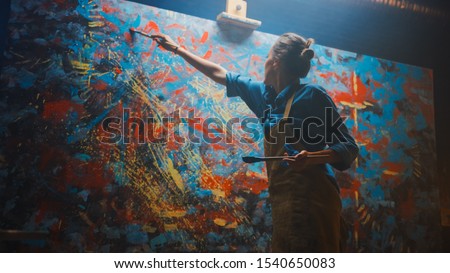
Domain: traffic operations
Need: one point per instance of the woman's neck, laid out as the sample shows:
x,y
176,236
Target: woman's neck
x,y
283,81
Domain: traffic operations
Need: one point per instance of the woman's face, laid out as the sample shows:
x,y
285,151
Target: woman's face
x,y
270,69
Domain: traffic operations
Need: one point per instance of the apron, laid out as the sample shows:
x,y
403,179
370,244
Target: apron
x,y
306,206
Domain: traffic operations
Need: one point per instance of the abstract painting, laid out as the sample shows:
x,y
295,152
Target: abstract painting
x,y
112,144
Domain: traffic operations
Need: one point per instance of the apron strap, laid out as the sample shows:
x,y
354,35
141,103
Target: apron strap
x,y
288,106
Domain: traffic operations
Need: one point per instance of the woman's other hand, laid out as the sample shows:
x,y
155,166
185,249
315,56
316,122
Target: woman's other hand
x,y
300,161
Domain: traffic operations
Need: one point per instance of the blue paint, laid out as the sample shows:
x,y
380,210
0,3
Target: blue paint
x,y
158,242
26,79
376,192
135,235
82,157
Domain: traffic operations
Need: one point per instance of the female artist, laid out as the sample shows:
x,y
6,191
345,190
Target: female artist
x,y
299,120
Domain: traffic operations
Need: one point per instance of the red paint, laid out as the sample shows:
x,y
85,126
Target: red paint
x,y
208,55
151,26
216,182
204,37
128,38
164,76
406,208
57,40
146,55
108,9
224,163
393,166
255,182
100,85
350,192
112,26
379,146
217,146
117,70
359,95
87,175
58,111
171,78
256,58
175,26
180,91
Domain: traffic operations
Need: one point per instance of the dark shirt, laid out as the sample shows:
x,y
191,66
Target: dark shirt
x,y
309,115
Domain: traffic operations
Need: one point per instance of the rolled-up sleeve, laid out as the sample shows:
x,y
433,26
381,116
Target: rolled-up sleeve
x,y
251,92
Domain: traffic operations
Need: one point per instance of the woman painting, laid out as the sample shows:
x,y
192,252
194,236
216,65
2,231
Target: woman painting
x,y
299,120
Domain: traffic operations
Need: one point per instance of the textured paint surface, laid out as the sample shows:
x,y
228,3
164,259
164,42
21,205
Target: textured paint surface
x,y
71,64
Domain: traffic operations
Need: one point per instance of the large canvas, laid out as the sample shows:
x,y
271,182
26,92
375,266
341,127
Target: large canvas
x,y
111,144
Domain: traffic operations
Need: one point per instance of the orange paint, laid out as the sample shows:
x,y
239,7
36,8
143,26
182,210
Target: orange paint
x,y
216,182
59,110
350,192
109,9
151,26
255,182
180,91
360,93
128,38
208,55
100,85
112,26
379,146
204,37
176,26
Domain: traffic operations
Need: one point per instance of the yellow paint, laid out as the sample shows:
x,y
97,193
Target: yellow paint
x,y
366,220
149,229
96,24
357,106
220,222
364,214
175,213
240,200
360,209
175,175
86,219
82,67
218,193
388,172
355,84
170,227
232,225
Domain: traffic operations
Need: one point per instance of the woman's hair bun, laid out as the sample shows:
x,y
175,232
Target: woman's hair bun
x,y
308,54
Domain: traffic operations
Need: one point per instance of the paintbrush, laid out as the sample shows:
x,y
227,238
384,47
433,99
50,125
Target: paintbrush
x,y
133,31
254,159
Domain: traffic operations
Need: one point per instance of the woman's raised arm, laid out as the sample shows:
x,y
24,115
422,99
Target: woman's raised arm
x,y
212,70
